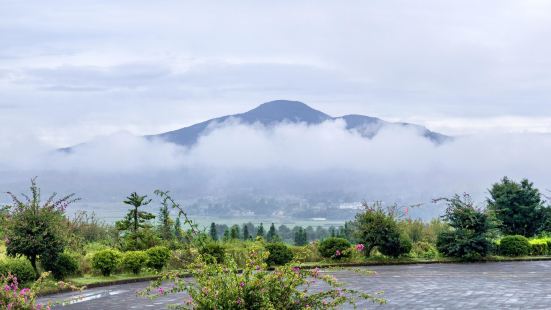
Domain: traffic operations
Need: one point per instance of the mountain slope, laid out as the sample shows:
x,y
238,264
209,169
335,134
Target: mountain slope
x,y
274,112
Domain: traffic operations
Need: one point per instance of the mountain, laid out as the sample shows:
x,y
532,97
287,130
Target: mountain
x,y
274,112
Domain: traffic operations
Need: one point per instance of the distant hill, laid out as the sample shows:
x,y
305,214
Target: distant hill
x,y
274,112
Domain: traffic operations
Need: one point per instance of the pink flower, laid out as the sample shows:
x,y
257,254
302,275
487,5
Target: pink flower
x,y
242,284
360,247
296,269
161,291
337,253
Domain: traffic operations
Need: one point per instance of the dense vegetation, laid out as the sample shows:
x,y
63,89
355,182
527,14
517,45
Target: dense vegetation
x,y
39,236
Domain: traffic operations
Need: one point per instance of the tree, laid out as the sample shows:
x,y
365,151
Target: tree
x,y
34,229
260,232
377,227
300,237
246,235
272,236
165,222
285,233
234,232
178,229
226,235
212,232
470,230
517,206
136,225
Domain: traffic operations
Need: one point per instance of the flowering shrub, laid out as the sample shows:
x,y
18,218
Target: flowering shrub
x,y
335,248
14,298
225,286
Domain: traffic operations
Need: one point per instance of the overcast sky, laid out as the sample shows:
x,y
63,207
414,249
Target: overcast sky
x,y
72,70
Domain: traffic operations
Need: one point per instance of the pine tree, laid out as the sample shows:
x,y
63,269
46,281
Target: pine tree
x,y
226,235
300,237
272,234
260,231
165,223
234,232
178,229
246,235
212,232
136,223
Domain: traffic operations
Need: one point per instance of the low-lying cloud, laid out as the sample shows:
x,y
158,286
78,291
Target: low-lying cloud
x,y
397,163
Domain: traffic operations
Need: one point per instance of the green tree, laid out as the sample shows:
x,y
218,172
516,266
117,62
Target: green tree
x,y
234,232
517,206
378,228
260,231
34,229
136,225
301,237
165,222
227,236
178,230
212,232
272,236
470,231
246,235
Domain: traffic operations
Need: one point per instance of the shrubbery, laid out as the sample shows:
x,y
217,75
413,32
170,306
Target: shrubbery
x,y
158,257
134,261
213,252
18,267
61,266
280,254
539,248
514,246
106,261
334,247
423,249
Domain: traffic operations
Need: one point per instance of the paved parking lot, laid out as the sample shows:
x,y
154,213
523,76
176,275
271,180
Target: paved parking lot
x,y
513,285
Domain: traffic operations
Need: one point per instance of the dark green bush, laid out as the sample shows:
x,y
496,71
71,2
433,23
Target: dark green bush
x,y
21,268
539,248
280,254
106,261
61,266
396,245
134,261
158,257
514,246
213,252
334,247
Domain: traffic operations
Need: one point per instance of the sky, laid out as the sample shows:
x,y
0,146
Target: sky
x,y
106,72
74,70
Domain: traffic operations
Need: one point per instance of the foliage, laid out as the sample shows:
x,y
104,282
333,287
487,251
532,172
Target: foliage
x,y
272,235
61,266
158,257
213,252
88,227
16,298
260,231
516,245
301,238
377,227
134,261
307,253
539,247
33,228
422,249
234,232
334,247
212,232
106,261
20,268
246,234
165,222
280,254
136,226
470,230
518,207
255,287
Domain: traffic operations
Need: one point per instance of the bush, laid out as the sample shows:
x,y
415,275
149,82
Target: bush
x,y
423,249
61,266
306,253
21,268
396,245
134,261
280,254
514,246
334,247
106,261
214,252
158,257
539,248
